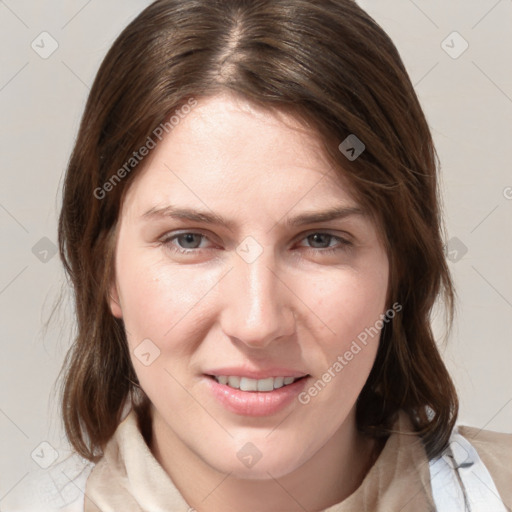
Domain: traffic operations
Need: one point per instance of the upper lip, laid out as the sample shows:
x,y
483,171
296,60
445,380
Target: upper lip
x,y
257,374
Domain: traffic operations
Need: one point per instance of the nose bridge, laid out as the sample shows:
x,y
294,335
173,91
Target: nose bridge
x,y
257,307
261,286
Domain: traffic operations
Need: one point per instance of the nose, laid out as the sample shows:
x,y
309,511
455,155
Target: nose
x,y
257,305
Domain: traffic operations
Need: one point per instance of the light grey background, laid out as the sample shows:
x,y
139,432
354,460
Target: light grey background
x,y
467,100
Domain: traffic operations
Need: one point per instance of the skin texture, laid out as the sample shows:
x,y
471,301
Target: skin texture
x,y
297,305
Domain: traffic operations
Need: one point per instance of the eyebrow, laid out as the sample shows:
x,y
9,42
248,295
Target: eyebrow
x,y
204,217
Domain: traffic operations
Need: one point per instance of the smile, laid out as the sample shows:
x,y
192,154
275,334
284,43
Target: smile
x,y
247,396
247,384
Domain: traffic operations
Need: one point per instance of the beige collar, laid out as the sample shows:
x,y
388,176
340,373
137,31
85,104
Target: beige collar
x,y
129,478
399,480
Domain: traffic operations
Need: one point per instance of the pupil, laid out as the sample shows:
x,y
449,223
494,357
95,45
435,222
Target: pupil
x,y
188,238
320,238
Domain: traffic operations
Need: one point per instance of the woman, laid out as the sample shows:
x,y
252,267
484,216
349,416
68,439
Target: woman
x,y
250,222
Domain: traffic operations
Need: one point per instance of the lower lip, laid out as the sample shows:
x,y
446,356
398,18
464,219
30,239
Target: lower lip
x,y
255,403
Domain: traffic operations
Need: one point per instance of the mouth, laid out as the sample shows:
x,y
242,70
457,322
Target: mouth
x,y
248,396
255,385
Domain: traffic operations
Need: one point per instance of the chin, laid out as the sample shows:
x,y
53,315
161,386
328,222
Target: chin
x,y
251,463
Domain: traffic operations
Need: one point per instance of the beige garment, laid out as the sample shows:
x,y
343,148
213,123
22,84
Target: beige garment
x,y
129,479
495,450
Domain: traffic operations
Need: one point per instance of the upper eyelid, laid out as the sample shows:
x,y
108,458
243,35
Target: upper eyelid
x,y
170,235
342,235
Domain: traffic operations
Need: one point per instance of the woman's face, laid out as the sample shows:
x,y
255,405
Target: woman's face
x,y
243,263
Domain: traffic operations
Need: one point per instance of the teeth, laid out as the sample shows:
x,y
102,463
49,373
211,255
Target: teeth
x,y
222,379
246,384
234,382
278,382
265,384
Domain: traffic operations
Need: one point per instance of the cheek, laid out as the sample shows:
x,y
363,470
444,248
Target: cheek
x,y
158,299
165,318
346,303
347,308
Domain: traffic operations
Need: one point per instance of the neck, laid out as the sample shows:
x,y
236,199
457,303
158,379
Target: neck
x,y
327,478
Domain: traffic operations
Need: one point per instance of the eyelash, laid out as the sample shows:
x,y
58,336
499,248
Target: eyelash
x,y
342,243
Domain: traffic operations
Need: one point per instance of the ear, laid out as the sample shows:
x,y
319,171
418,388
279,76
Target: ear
x,y
115,305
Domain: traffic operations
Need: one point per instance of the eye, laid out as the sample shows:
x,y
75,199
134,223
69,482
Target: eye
x,y
325,242
185,242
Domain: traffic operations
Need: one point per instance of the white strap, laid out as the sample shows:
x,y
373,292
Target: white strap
x,y
461,482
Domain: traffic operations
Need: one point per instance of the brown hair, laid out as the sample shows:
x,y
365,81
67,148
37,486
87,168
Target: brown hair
x,y
329,63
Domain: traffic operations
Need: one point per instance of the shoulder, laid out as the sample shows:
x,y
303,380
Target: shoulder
x,y
495,448
489,442
495,451
59,488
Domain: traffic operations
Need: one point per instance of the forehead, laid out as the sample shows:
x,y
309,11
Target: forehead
x,y
227,148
